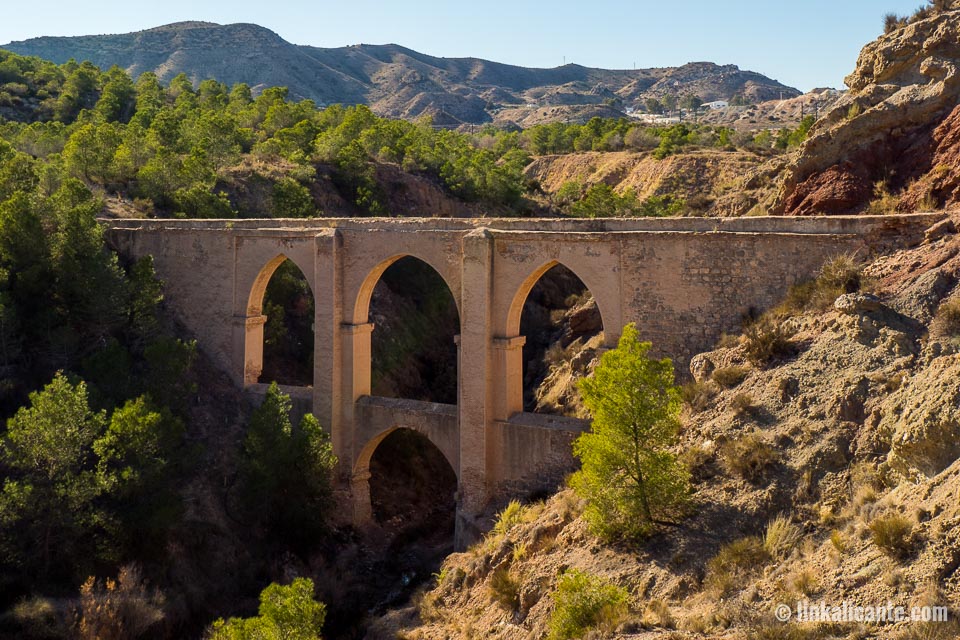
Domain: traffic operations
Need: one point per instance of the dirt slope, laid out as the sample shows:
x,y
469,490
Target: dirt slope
x,y
860,425
718,183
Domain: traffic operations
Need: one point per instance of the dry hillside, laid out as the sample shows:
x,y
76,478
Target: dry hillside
x,y
711,182
849,445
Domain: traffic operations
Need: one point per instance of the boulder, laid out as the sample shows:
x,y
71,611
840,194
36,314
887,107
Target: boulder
x,y
921,421
585,319
855,304
939,230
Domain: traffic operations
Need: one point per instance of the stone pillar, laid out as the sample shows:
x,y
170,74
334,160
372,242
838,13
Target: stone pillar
x,y
360,492
355,378
509,374
248,348
475,384
356,360
327,342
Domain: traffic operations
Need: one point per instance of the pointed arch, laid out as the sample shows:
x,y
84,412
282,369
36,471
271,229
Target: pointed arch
x,y
523,292
528,352
259,287
419,318
361,466
255,319
363,481
361,307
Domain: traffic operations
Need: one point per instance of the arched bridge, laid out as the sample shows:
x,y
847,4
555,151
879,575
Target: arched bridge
x,y
683,281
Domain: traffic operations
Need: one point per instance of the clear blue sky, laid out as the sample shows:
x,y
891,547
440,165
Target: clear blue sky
x,y
802,44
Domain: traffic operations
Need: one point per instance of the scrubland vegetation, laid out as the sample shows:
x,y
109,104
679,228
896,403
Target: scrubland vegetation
x,y
218,151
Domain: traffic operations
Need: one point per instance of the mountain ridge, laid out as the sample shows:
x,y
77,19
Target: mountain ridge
x,y
394,80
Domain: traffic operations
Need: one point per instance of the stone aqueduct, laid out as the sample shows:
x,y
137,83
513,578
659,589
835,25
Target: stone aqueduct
x,y
682,281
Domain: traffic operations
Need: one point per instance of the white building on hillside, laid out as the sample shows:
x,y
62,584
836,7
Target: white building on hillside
x,y
716,104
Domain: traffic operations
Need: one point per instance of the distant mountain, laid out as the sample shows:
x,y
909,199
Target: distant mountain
x,y
393,80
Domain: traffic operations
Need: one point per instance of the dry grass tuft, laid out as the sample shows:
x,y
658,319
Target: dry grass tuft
x,y
749,457
893,534
729,377
699,396
781,537
733,564
766,341
947,321
505,589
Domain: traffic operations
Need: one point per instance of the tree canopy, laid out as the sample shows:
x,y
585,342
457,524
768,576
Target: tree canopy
x,y
630,478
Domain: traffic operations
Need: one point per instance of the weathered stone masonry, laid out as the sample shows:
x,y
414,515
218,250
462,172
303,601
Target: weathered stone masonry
x,y
682,281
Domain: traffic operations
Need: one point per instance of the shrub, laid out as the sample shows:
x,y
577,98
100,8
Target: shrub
x,y
117,609
843,274
729,377
511,516
736,560
749,457
766,341
892,22
698,395
893,535
947,321
697,459
781,537
839,542
658,614
39,617
884,202
285,612
640,139
743,405
661,206
556,354
505,589
583,602
805,582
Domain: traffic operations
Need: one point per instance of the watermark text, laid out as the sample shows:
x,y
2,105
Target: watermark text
x,y
887,613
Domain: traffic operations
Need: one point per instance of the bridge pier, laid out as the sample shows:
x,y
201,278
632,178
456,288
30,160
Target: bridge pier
x,y
509,375
360,495
475,388
251,330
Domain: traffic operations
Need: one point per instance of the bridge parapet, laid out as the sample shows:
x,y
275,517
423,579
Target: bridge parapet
x,y
900,225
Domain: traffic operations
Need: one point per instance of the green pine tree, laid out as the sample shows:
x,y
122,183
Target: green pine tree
x,y
630,479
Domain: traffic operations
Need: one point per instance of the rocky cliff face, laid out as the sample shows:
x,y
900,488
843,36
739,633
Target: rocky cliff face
x,y
895,132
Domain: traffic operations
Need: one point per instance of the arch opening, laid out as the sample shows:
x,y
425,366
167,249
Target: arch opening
x,y
412,486
564,336
413,348
288,334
